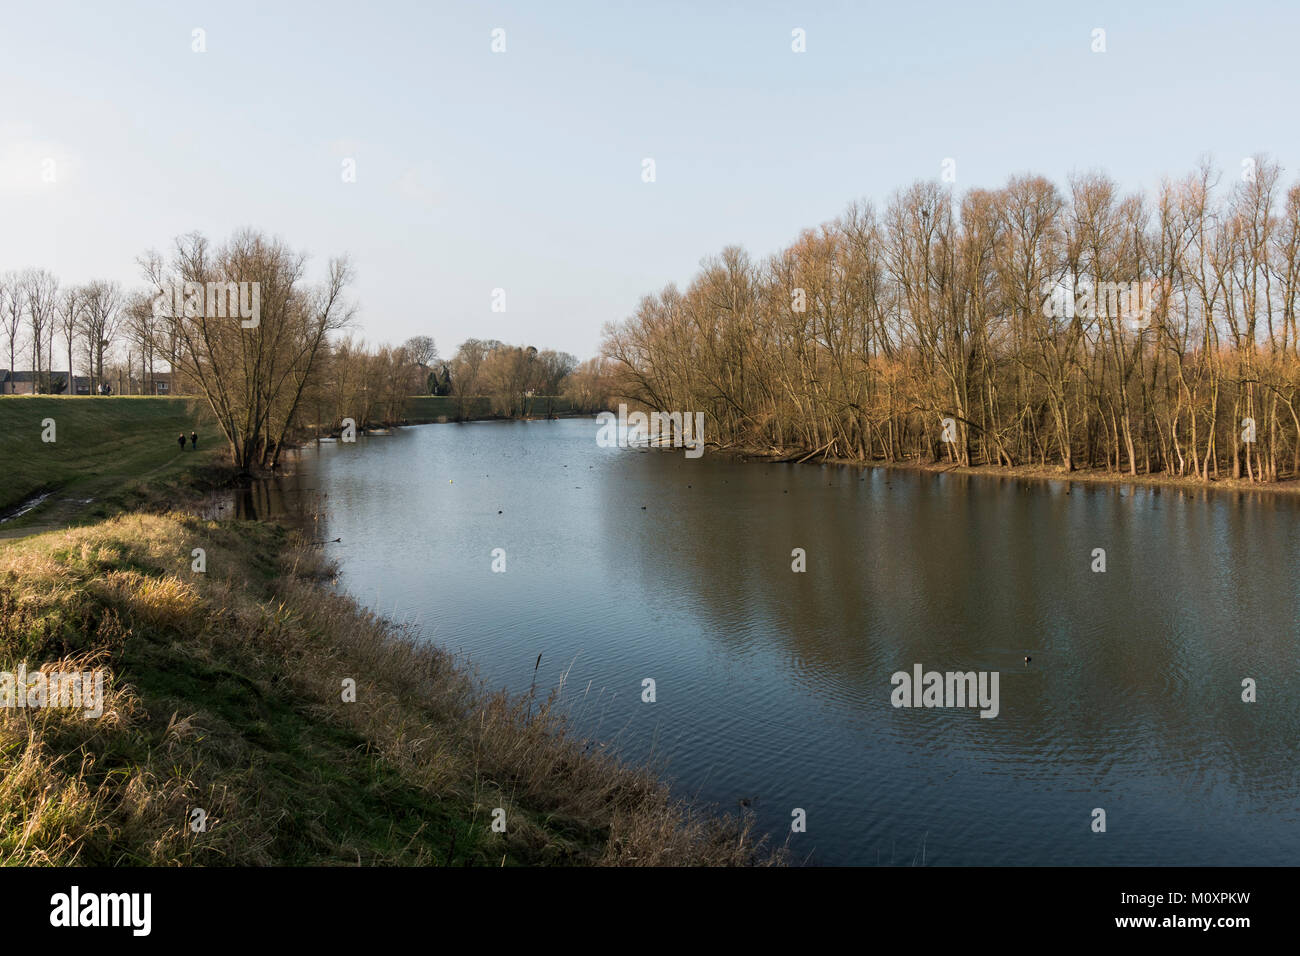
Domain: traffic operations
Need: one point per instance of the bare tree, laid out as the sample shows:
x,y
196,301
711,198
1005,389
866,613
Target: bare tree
x,y
11,314
142,331
40,299
68,321
253,372
100,318
552,369
421,349
509,377
466,367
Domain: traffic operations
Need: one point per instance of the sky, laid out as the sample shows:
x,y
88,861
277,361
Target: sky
x,y
523,170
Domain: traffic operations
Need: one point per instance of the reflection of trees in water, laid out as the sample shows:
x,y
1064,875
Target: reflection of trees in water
x,y
717,539
293,499
962,572
723,547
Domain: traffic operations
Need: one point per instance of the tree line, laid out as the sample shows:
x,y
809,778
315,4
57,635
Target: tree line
x,y
239,324
43,322
1026,325
517,380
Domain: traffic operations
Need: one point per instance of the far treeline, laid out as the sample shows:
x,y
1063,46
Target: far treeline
x,y
1027,325
240,325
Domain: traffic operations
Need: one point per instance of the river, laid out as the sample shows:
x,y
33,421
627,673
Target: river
x,y
773,687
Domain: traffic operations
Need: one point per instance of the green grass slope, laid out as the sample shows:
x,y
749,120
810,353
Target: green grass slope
x,y
103,446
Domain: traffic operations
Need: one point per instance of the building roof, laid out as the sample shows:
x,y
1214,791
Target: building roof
x,y
28,376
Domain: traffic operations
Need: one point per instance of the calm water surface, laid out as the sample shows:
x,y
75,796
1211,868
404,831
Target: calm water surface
x,y
774,687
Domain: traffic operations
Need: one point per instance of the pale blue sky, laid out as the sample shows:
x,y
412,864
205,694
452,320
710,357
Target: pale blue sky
x,y
522,170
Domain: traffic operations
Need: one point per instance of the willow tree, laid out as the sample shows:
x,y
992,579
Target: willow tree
x,y
252,365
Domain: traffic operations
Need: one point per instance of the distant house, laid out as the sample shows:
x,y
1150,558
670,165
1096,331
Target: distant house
x,y
159,383
20,383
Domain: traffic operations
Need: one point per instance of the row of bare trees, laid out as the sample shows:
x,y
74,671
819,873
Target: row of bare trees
x,y
369,385
36,312
1076,327
517,380
589,386
239,325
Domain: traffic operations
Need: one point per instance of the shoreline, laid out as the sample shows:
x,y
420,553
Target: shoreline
x,y
309,729
1049,473
438,420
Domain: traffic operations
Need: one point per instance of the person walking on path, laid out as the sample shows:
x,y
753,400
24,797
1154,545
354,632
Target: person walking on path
x,y
194,440
182,441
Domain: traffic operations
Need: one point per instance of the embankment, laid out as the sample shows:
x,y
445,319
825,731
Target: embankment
x,y
93,457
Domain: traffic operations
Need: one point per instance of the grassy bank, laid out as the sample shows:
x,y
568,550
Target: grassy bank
x,y
225,693
108,453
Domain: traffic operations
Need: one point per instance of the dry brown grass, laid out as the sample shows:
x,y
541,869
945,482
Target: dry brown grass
x,y
226,694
